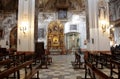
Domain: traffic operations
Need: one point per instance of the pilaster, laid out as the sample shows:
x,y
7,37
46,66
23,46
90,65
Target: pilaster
x,y
98,40
26,11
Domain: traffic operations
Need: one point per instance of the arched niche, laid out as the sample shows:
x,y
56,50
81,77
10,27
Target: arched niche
x,y
55,37
13,38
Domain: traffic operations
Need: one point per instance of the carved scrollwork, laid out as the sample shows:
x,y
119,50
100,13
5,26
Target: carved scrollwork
x,y
55,35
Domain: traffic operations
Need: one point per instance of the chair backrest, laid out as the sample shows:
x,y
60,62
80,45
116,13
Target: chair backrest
x,y
3,51
39,48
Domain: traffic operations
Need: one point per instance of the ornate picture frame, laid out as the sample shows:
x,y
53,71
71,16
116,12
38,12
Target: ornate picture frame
x,y
62,14
55,41
41,33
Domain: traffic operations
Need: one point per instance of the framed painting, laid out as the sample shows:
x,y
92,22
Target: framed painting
x,y
55,41
41,33
47,17
62,14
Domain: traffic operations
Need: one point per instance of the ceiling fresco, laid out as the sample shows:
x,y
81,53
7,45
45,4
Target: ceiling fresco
x,y
56,4
10,5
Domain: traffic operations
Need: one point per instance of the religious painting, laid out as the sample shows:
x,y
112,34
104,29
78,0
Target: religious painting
x,y
41,33
87,28
62,14
55,28
55,41
87,25
45,17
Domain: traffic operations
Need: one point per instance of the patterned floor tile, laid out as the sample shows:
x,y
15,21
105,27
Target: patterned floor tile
x,y
61,68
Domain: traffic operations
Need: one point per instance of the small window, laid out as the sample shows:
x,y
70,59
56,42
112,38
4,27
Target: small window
x,y
73,27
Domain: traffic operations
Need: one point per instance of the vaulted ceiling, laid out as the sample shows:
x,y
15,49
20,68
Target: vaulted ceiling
x,y
55,4
10,5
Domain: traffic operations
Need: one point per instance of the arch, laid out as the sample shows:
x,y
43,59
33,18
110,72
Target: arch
x,y
72,40
13,38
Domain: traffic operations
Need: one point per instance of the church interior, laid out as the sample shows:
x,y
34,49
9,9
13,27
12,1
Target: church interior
x,y
59,39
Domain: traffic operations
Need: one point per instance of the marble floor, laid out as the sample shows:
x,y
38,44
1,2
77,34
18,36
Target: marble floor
x,y
61,68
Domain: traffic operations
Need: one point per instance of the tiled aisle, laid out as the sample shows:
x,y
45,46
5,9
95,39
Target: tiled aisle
x,y
61,68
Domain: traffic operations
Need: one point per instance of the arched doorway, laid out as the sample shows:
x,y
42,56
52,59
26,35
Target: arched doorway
x,y
72,40
55,38
13,38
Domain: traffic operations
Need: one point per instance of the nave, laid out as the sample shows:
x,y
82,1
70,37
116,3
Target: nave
x,y
61,67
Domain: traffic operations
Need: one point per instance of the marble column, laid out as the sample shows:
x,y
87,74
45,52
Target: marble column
x,y
26,15
98,40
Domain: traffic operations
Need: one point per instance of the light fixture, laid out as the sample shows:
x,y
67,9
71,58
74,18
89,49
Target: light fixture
x,y
111,36
104,25
24,27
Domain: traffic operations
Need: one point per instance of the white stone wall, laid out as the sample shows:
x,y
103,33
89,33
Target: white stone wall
x,y
7,24
43,20
98,40
73,18
26,15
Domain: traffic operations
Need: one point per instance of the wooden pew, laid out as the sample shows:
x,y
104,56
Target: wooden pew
x,y
94,72
41,54
3,53
78,63
33,71
6,62
77,59
17,59
99,58
49,60
9,71
115,65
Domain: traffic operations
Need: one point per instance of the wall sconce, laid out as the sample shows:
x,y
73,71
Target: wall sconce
x,y
111,36
24,27
104,25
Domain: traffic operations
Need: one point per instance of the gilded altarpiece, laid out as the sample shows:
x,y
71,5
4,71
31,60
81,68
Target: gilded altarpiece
x,y
55,38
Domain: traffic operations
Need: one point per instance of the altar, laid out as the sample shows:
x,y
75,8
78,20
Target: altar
x,y
55,38
55,51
